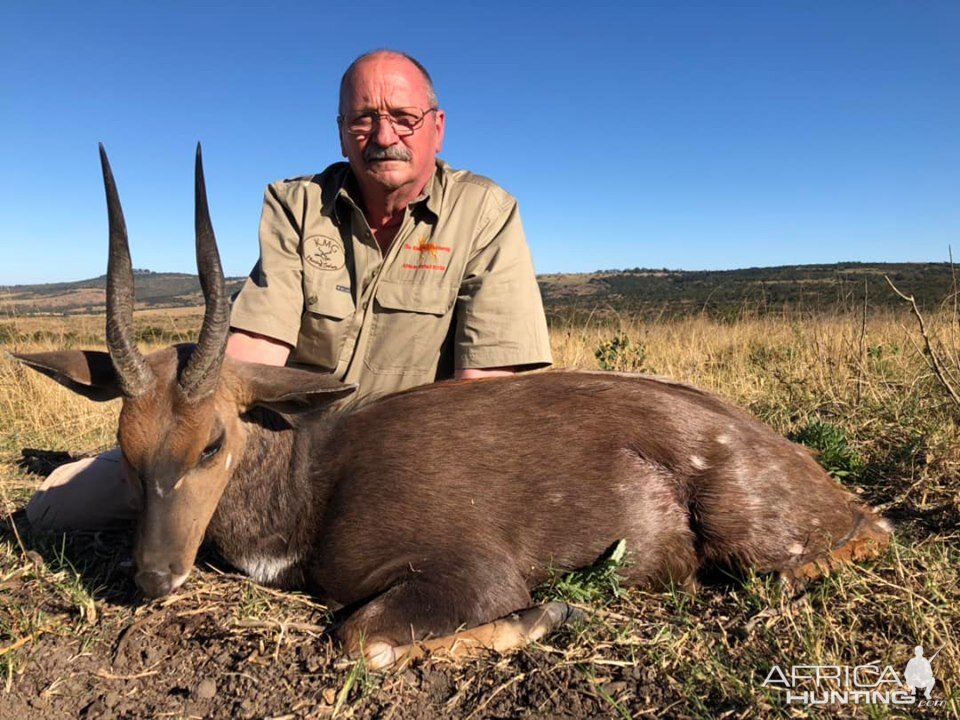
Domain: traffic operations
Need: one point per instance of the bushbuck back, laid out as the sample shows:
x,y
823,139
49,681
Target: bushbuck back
x,y
440,508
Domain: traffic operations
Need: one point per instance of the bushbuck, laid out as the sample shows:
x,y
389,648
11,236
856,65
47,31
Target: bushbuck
x,y
438,509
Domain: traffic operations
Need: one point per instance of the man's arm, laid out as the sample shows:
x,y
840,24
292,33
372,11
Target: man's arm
x,y
477,373
270,304
249,347
501,326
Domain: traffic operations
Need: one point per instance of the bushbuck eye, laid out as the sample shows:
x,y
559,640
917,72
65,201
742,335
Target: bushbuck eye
x,y
212,449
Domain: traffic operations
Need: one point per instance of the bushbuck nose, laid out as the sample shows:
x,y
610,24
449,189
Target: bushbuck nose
x,y
154,584
157,583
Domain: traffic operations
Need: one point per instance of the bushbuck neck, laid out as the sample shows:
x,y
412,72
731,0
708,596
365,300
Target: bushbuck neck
x,y
270,512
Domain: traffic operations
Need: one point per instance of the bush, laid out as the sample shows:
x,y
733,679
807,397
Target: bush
x,y
621,354
835,453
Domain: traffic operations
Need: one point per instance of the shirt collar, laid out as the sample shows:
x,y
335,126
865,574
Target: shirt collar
x,y
341,187
344,187
433,193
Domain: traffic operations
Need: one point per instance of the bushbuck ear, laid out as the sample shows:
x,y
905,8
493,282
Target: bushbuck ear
x,y
289,391
87,372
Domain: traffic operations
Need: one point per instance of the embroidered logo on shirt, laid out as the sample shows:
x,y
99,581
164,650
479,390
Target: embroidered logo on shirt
x,y
323,253
428,252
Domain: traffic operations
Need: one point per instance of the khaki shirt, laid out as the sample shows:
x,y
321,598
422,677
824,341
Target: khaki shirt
x,y
456,289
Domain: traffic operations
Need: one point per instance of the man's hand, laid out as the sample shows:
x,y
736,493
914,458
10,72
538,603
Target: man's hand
x,y
249,347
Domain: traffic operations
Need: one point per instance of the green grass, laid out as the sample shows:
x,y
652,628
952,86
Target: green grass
x,y
596,584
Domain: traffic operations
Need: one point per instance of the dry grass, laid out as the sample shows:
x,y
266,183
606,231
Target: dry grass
x,y
658,654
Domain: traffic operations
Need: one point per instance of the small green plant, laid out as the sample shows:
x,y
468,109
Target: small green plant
x,y
880,351
253,603
597,584
360,680
621,354
78,586
589,672
835,453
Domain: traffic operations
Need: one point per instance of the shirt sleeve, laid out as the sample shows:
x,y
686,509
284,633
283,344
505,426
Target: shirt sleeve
x,y
271,300
500,319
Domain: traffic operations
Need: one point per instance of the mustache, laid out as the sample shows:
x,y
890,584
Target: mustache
x,y
391,152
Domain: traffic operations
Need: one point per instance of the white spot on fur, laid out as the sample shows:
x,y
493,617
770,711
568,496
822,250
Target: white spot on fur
x,y
179,580
179,483
229,462
885,524
698,462
158,490
723,439
265,569
796,549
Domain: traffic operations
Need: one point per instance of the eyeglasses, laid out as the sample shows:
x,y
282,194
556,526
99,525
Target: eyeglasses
x,y
405,121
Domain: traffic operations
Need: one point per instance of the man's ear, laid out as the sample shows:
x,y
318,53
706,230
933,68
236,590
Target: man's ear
x,y
286,390
440,120
87,372
340,134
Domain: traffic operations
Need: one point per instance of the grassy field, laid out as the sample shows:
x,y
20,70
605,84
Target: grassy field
x,y
74,638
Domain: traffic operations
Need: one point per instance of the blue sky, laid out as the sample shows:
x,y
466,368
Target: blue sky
x,y
693,135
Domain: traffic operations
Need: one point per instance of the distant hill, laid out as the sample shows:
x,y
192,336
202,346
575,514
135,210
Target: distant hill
x,y
755,291
803,288
153,290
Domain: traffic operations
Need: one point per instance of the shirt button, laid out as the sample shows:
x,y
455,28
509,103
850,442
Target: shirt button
x,y
312,300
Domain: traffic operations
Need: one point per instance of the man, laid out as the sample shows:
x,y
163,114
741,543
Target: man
x,y
389,271
392,270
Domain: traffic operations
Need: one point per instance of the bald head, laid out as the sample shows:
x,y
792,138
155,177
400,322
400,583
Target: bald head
x,y
376,55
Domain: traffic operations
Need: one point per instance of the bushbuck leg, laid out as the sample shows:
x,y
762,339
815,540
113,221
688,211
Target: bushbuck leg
x,y
744,514
869,536
507,633
467,591
463,592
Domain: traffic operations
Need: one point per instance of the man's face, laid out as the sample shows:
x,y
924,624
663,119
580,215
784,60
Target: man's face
x,y
380,84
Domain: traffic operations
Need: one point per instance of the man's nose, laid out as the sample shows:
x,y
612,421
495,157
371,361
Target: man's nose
x,y
385,135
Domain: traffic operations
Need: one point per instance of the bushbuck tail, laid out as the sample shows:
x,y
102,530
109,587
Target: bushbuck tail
x,y
428,516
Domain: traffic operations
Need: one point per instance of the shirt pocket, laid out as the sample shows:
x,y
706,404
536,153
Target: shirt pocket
x,y
409,326
328,310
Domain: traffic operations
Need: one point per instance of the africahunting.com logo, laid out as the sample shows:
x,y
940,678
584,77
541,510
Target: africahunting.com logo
x,y
868,684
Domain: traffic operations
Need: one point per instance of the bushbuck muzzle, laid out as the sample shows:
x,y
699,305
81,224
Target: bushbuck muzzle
x,y
169,534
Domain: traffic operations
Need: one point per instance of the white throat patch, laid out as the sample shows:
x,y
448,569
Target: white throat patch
x,y
266,569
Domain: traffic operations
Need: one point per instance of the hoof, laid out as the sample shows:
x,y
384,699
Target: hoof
x,y
378,655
